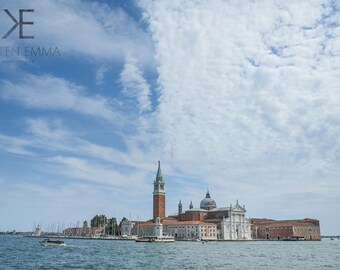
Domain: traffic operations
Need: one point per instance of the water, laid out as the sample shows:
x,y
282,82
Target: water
x,y
27,253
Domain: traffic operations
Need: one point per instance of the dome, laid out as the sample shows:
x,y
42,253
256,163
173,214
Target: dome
x,y
207,203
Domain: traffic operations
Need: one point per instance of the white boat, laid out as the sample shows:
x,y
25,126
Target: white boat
x,y
48,242
149,239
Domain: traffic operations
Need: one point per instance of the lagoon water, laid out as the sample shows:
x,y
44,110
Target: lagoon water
x,y
27,253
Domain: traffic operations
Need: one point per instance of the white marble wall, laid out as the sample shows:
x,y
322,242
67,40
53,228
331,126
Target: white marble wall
x,y
236,226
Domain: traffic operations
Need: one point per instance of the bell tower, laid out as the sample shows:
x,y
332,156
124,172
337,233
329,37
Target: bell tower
x,y
158,195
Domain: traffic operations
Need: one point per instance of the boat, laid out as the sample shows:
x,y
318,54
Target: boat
x,y
294,238
332,238
152,239
48,242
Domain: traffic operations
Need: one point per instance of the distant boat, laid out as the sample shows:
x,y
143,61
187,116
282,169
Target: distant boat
x,y
294,238
48,242
332,238
152,239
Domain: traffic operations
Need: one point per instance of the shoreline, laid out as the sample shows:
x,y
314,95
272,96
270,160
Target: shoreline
x,y
177,240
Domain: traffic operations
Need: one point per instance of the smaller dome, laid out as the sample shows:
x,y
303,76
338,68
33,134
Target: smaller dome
x,y
208,203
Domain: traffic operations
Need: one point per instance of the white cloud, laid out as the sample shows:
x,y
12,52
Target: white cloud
x,y
134,84
227,97
88,170
47,130
50,136
48,92
248,99
248,105
85,28
14,145
100,74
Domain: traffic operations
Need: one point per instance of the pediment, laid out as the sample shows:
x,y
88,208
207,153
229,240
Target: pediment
x,y
238,208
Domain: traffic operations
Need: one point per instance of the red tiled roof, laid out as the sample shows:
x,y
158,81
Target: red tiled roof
x,y
176,222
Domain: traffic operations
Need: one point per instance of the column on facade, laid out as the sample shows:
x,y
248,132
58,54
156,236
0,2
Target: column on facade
x,y
234,227
231,227
242,226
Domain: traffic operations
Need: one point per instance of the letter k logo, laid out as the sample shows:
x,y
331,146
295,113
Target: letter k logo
x,y
14,26
20,23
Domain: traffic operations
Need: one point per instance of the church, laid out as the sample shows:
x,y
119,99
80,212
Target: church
x,y
208,222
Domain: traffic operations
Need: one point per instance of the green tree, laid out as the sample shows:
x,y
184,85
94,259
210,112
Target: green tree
x,y
99,221
85,225
112,227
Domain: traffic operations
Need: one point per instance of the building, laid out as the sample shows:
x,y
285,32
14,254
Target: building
x,y
179,229
307,229
235,226
37,231
207,222
158,195
126,228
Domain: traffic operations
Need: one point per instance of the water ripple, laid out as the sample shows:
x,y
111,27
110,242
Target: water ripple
x,y
27,253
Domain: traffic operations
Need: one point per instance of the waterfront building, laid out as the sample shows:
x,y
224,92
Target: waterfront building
x,y
126,227
307,229
235,226
180,229
37,231
207,222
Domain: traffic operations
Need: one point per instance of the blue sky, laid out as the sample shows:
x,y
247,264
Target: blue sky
x,y
241,99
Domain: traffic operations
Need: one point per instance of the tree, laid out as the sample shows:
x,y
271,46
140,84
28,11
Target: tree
x,y
99,221
85,225
112,227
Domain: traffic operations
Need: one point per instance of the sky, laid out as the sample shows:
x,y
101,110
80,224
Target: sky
x,y
241,99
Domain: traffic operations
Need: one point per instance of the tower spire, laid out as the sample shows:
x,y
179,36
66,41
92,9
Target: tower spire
x,y
159,175
180,207
208,194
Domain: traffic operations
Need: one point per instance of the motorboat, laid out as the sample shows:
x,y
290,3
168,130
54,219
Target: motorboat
x,y
150,239
294,238
48,242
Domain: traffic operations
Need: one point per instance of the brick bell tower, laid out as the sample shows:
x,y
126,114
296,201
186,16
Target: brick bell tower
x,y
158,195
